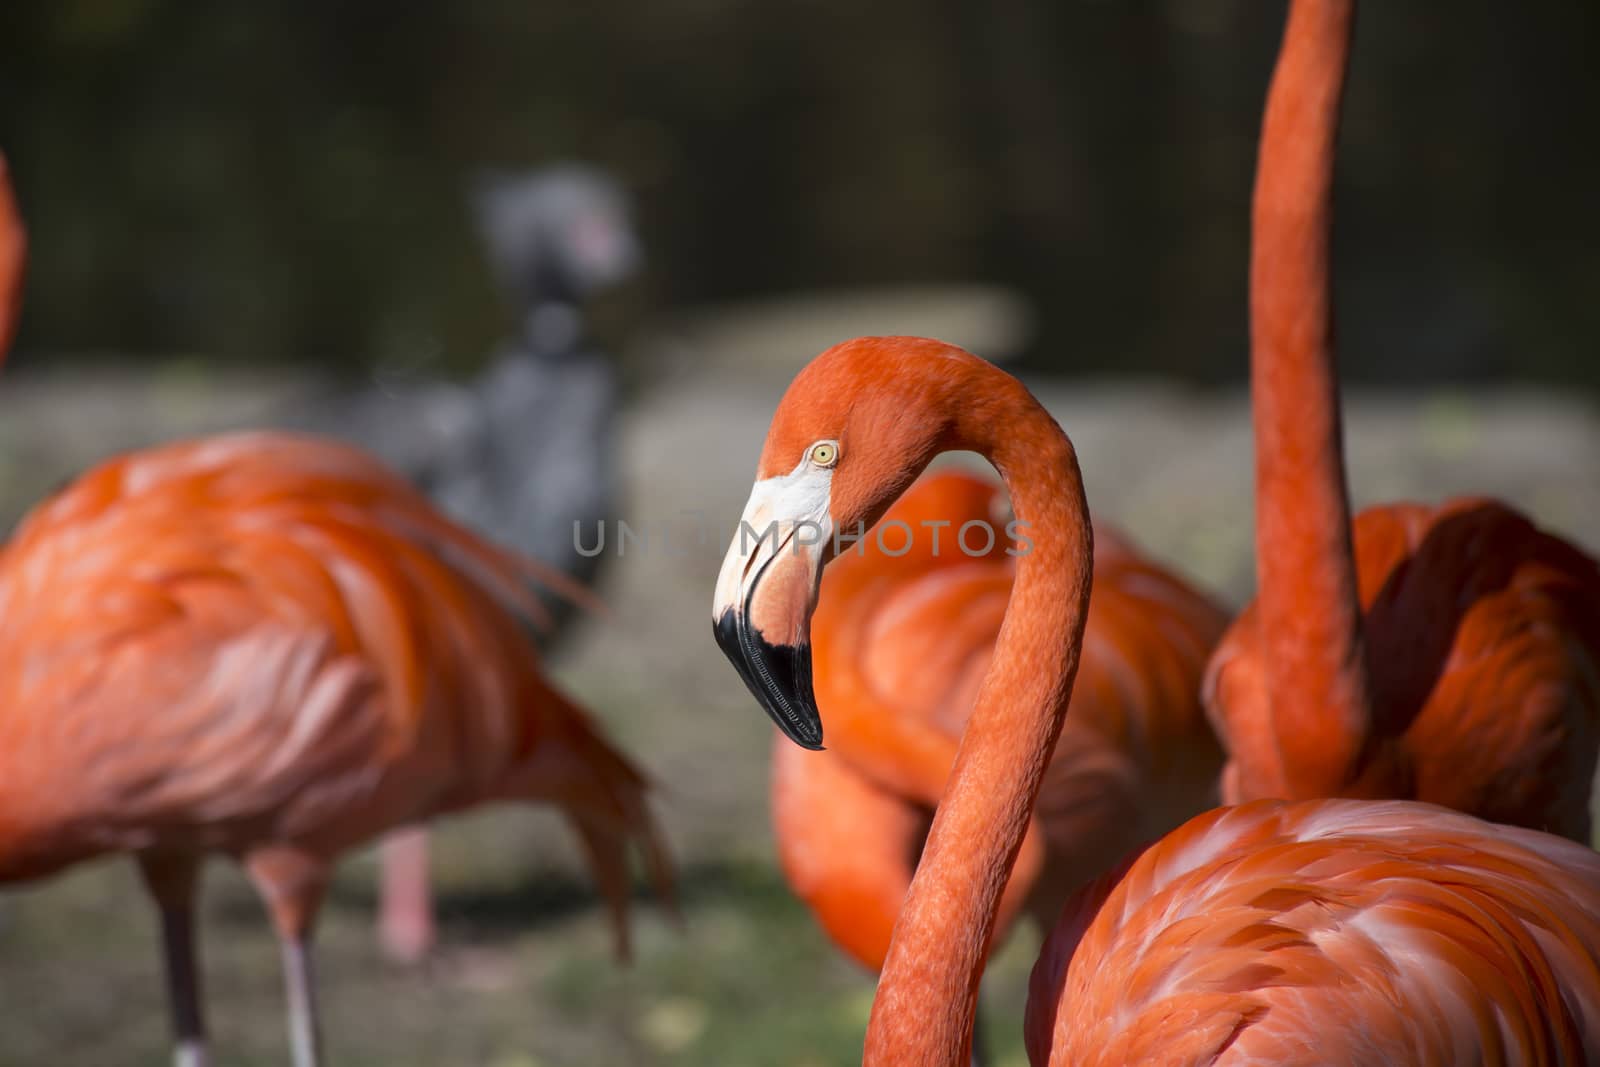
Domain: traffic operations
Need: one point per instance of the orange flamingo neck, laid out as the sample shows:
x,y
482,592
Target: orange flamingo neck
x,y
924,1010
1309,610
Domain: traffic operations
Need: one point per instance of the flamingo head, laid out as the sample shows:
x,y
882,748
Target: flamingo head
x,y
852,432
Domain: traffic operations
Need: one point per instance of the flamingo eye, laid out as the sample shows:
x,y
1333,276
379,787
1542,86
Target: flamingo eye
x,y
825,453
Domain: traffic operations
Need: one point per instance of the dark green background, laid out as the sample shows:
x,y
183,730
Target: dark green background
x,y
283,181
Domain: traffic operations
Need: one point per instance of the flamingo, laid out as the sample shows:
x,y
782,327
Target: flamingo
x,y
1448,654
269,646
903,631
1489,937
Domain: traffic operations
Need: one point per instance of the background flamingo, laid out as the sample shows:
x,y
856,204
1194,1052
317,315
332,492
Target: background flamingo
x,y
270,646
1454,654
1459,939
902,642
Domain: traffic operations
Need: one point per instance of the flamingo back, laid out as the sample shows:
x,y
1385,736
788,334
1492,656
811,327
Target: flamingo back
x,y
1338,931
1483,648
270,637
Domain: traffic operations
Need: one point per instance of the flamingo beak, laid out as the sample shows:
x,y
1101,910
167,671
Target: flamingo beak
x,y
761,615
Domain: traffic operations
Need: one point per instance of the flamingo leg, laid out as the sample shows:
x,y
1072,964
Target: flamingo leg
x,y
406,927
304,1030
292,882
172,880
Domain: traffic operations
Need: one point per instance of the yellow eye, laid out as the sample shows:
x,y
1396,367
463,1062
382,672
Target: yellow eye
x,y
825,453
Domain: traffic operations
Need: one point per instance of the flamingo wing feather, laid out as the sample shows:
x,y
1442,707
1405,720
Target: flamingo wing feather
x,y
1330,931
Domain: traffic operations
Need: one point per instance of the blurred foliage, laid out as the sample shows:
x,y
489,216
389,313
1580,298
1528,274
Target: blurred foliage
x,y
266,181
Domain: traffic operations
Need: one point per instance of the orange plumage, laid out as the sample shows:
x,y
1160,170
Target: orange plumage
x,y
902,636
1325,931
1446,654
1335,931
1482,637
268,645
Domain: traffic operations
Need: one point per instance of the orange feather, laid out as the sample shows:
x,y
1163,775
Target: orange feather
x,y
1335,931
1482,637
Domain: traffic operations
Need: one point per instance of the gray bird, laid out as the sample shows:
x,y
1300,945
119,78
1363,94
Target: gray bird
x,y
523,452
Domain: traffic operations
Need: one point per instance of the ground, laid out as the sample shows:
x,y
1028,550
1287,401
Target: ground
x,y
525,977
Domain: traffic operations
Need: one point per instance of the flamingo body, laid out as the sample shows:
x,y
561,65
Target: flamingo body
x,y
1483,652
269,646
257,637
1337,931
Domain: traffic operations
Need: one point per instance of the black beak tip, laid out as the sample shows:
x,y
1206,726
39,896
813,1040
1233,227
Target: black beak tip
x,y
779,676
811,740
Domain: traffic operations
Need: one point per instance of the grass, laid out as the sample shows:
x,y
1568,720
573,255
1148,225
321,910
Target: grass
x,y
526,977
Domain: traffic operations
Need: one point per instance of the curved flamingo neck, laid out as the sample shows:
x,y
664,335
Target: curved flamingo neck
x,y
1309,610
924,1010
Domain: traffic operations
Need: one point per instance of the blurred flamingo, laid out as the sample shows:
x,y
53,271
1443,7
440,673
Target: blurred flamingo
x,y
1332,931
270,646
1450,654
903,632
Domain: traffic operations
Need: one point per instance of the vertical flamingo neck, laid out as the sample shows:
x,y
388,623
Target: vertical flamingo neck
x,y
927,995
1309,611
